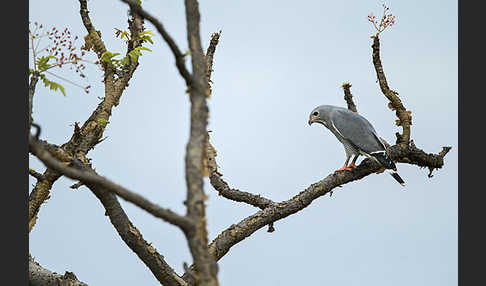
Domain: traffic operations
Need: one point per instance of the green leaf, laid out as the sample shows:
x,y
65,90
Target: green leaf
x,y
133,55
124,61
52,85
43,62
108,56
147,32
148,39
145,49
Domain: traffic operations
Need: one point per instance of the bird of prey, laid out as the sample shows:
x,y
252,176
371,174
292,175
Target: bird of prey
x,y
357,136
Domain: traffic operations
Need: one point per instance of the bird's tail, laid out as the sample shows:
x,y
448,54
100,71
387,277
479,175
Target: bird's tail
x,y
389,165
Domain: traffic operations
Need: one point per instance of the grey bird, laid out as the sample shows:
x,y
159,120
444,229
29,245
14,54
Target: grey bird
x,y
357,136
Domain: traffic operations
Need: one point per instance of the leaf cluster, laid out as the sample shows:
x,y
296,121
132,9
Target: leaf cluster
x,y
133,55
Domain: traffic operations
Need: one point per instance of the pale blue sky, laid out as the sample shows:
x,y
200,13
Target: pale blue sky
x,y
275,62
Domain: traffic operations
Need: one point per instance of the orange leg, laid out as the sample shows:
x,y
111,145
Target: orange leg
x,y
345,167
353,165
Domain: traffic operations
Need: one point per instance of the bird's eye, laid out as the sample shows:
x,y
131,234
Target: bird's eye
x,y
315,113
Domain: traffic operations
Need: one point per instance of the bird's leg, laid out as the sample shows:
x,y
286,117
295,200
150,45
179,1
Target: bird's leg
x,y
345,167
353,165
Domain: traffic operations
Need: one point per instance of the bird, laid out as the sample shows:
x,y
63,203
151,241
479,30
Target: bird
x,y
357,135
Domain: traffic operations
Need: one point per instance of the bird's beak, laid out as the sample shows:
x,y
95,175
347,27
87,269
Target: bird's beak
x,y
311,121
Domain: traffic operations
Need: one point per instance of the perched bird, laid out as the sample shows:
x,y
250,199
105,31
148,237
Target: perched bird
x,y
356,134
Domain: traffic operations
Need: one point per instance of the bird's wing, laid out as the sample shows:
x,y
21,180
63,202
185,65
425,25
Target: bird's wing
x,y
357,130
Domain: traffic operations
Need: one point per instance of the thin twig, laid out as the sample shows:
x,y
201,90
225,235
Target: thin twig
x,y
179,57
349,97
36,175
210,55
33,82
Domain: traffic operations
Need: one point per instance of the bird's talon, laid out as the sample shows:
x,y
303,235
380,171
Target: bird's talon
x,y
344,169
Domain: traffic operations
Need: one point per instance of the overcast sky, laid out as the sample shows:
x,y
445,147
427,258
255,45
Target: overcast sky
x,y
275,62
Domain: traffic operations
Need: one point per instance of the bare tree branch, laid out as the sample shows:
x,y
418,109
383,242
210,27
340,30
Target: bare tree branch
x,y
36,175
235,233
441,154
179,57
223,188
349,97
236,195
210,55
94,36
39,194
205,265
39,276
404,116
276,211
133,238
88,176
33,82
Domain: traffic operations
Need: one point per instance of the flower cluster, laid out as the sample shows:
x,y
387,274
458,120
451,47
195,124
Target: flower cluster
x,y
60,50
386,21
64,50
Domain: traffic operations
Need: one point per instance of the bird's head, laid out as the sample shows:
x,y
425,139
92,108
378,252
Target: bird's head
x,y
320,115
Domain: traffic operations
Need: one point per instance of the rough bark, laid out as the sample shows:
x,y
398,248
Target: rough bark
x,y
348,97
205,264
39,276
404,116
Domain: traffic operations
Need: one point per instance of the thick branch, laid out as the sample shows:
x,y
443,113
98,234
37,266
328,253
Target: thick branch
x,y
39,276
40,193
179,57
246,227
416,156
404,116
102,188
272,213
205,265
88,176
133,238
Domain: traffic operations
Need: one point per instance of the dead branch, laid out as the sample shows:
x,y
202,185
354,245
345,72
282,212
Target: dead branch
x,y
134,239
348,97
404,116
33,82
36,175
210,55
276,211
205,265
39,276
